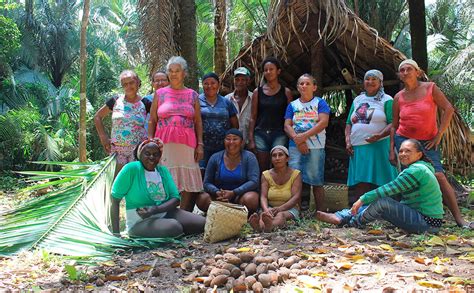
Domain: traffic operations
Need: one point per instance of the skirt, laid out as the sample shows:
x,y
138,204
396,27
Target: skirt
x,y
370,164
179,159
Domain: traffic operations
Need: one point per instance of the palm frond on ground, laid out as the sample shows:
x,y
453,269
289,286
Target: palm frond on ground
x,y
73,220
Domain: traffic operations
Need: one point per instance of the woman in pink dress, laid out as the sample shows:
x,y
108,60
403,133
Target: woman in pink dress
x,y
175,118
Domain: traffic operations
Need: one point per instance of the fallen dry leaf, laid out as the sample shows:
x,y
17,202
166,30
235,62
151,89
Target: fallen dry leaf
x,y
397,258
416,276
386,247
343,265
141,269
244,249
435,241
175,265
401,244
431,284
452,251
163,254
321,250
423,260
321,274
309,282
116,277
375,232
455,280
439,269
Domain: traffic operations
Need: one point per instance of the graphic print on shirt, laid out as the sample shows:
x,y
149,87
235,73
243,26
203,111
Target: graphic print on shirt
x,y
128,122
305,118
154,186
363,114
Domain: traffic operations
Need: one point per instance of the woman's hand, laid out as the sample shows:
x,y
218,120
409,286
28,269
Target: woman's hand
x,y
303,148
105,141
144,212
224,195
432,144
349,149
274,211
393,158
199,153
356,206
299,139
373,138
251,146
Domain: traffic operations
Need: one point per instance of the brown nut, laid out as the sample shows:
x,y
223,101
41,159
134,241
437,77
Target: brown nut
x,y
232,259
257,287
265,280
246,257
249,281
219,281
250,269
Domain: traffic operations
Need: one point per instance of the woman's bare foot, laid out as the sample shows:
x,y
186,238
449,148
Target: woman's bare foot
x,y
267,219
254,221
328,218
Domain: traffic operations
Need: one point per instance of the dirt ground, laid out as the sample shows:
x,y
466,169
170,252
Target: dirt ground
x,y
308,257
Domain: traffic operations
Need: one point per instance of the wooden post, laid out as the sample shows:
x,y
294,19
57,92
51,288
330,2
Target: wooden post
x,y
317,61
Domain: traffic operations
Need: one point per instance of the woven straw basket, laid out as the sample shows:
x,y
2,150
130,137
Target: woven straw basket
x,y
224,220
336,196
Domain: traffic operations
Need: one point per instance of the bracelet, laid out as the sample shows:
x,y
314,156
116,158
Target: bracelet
x,y
200,143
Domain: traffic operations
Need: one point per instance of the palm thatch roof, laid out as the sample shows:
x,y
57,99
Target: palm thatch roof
x,y
325,38
296,28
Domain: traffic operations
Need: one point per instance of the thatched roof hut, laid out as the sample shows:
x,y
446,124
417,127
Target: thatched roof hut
x,y
325,38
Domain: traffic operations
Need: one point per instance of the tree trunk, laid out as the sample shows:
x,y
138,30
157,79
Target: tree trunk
x,y
82,92
187,40
220,50
158,20
418,32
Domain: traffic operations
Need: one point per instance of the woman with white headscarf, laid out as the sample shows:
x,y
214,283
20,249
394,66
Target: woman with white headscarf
x,y
367,136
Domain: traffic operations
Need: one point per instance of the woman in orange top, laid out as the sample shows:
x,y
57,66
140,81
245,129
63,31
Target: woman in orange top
x,y
280,193
414,116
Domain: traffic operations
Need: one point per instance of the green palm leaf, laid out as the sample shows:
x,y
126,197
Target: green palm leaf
x,y
72,220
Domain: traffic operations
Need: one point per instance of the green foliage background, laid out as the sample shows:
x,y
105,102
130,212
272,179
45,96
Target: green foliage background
x,y
39,69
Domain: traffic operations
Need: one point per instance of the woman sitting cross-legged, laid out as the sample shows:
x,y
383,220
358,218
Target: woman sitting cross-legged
x,y
280,194
151,198
231,175
420,209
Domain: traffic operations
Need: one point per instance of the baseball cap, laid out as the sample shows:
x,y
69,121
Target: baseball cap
x,y
241,70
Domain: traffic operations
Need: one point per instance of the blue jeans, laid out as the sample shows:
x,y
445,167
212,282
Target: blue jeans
x,y
265,140
390,210
311,165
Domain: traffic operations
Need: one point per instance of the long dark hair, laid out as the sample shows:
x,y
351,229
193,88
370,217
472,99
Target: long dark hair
x,y
419,148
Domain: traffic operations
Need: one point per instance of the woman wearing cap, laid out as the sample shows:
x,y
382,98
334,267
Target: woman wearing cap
x,y
280,193
415,116
367,136
306,120
151,198
218,115
232,175
129,112
175,118
269,102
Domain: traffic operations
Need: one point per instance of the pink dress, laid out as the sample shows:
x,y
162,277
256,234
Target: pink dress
x,y
175,127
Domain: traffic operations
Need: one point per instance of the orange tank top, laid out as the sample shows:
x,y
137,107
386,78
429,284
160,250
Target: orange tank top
x,y
417,119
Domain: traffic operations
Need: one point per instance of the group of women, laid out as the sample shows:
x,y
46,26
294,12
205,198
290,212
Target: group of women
x,y
188,133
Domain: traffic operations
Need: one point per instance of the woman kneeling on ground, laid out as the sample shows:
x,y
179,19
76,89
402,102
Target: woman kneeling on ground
x,y
280,195
420,209
231,175
151,198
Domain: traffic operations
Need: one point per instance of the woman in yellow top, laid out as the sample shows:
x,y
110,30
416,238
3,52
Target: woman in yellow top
x,y
280,193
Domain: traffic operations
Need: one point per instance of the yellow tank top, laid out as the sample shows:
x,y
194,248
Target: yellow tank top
x,y
279,194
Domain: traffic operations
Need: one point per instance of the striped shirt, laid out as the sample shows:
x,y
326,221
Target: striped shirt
x,y
416,186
